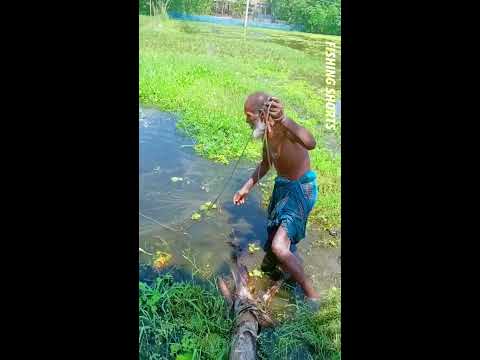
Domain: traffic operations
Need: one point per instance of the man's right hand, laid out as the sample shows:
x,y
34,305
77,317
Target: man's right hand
x,y
240,196
276,110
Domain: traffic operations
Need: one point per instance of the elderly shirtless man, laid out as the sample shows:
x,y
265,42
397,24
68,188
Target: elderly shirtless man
x,y
285,146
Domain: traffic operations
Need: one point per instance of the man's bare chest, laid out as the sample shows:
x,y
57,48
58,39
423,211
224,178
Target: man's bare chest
x,y
284,152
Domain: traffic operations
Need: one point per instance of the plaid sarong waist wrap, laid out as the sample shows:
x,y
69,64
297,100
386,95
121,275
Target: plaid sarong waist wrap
x,y
291,203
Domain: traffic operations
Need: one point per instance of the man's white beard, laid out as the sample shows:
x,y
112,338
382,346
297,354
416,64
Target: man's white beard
x,y
259,130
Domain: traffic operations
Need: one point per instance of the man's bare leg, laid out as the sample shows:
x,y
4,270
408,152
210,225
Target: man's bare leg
x,y
290,263
270,261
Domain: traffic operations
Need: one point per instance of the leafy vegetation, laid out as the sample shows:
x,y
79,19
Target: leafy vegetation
x,y
183,320
306,336
316,16
313,16
203,7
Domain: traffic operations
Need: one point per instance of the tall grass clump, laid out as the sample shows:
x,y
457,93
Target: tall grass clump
x,y
306,335
182,320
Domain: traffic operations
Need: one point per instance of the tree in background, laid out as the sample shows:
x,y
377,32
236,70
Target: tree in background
x,y
193,7
160,7
238,8
144,7
316,16
154,7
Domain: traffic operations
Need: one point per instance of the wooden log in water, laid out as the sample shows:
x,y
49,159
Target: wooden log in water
x,y
249,311
248,316
246,326
244,337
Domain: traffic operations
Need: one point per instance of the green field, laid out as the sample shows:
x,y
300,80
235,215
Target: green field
x,y
185,321
204,73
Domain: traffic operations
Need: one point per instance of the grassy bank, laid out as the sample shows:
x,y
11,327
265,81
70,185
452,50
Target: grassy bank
x,y
182,321
204,72
187,321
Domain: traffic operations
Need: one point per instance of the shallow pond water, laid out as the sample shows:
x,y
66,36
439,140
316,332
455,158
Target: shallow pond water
x,y
175,183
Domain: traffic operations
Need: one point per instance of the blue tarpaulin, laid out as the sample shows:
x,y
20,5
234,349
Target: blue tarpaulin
x,y
232,21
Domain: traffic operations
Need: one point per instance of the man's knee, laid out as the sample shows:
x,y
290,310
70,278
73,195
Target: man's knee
x,y
280,251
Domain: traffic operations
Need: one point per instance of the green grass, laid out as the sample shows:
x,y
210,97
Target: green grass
x,y
306,335
182,320
204,72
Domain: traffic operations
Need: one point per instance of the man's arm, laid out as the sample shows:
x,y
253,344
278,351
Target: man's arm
x,y
260,171
299,133
296,132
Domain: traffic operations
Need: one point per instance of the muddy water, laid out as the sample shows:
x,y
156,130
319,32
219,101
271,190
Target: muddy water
x,y
175,182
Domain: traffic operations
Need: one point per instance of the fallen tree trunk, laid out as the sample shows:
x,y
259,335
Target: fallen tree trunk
x,y
244,336
249,316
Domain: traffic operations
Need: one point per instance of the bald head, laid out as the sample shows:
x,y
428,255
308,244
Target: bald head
x,y
254,106
256,101
261,108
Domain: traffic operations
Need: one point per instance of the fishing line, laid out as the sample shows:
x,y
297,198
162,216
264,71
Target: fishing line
x,y
269,102
265,139
157,222
216,199
234,168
